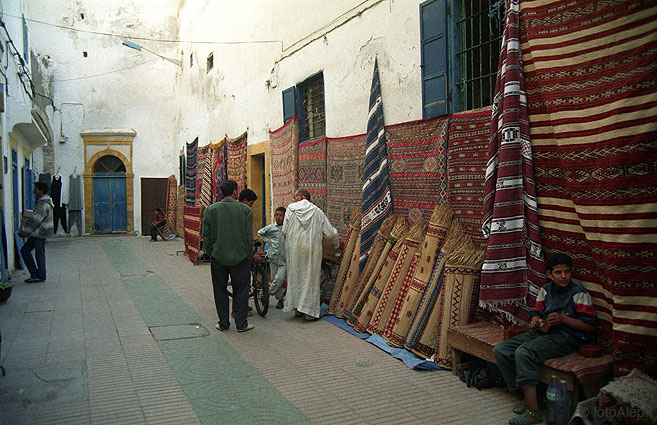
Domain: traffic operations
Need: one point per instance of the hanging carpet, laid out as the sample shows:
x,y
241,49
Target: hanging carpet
x,y
467,151
417,163
348,271
236,160
192,235
205,194
180,211
219,154
201,160
190,173
591,72
172,203
284,143
312,170
344,167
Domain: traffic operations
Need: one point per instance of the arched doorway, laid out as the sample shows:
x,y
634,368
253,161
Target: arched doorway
x,y
110,200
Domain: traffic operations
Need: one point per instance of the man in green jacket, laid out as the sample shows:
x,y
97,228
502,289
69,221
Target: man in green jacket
x,y
36,228
228,238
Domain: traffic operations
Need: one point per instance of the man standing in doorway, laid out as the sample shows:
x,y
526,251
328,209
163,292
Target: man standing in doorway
x,y
228,238
36,228
304,227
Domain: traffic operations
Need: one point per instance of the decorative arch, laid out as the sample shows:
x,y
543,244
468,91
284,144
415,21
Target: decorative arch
x,y
97,144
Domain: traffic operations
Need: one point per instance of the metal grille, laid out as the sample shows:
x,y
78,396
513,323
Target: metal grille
x,y
480,29
313,108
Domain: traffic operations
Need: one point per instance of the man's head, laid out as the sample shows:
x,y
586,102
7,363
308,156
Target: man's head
x,y
559,269
229,189
279,215
40,189
301,194
248,197
158,211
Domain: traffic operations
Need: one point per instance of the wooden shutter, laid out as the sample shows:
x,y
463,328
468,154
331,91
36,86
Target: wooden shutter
x,y
433,44
289,103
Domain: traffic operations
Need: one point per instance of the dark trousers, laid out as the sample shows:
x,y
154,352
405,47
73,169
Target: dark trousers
x,y
154,229
240,277
37,270
59,214
518,357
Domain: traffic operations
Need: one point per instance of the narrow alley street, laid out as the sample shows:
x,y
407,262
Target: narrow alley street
x,y
122,332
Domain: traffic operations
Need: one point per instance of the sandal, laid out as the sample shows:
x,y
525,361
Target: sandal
x,y
522,419
520,408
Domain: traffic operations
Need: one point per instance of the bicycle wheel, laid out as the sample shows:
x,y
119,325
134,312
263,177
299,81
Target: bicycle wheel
x,y
261,289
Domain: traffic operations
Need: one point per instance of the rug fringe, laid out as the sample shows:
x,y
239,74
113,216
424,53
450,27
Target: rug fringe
x,y
400,230
417,231
495,307
355,219
387,225
442,215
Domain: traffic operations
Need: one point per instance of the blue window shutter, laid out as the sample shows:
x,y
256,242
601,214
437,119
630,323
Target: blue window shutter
x,y
433,42
289,103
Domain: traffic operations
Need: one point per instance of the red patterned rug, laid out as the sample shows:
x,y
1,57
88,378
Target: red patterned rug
x,y
467,151
312,170
417,165
284,143
218,168
192,224
236,160
591,72
172,202
344,179
203,158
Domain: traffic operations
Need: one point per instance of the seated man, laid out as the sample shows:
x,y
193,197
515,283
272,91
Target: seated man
x,y
158,223
562,318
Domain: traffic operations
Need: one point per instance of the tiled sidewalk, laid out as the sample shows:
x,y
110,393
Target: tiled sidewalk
x,y
123,332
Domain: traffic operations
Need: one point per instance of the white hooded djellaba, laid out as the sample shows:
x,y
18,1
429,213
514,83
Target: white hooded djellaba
x,y
304,227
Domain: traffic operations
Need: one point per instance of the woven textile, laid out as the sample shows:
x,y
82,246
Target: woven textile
x,y
466,168
513,270
219,153
346,272
284,144
190,173
192,224
180,211
344,179
417,162
637,390
376,198
592,106
205,195
397,303
201,160
312,170
172,202
350,280
433,241
236,160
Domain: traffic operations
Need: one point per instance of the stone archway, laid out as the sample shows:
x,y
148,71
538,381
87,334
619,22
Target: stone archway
x,y
98,144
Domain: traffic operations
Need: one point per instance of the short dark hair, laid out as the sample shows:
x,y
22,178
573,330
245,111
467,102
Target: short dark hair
x,y
248,195
43,187
158,209
228,187
304,193
558,259
282,209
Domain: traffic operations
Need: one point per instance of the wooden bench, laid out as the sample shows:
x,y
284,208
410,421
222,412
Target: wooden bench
x,y
583,375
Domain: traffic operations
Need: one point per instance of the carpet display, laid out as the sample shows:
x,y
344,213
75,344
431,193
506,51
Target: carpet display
x,y
513,270
190,173
376,198
594,136
192,235
417,163
409,247
371,299
437,230
347,274
201,159
236,160
172,202
312,170
180,210
344,179
205,194
284,144
219,175
467,152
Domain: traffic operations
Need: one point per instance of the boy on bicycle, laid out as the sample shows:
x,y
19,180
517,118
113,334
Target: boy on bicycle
x,y
273,237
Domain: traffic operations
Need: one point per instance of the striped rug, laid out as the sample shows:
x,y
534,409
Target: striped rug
x,y
591,72
190,172
284,145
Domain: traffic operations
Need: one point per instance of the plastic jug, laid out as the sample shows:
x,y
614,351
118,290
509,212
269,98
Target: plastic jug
x,y
562,411
551,398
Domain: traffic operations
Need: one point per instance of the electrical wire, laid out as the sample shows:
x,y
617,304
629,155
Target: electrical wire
x,y
105,73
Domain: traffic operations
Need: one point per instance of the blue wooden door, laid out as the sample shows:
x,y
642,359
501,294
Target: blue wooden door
x,y
110,204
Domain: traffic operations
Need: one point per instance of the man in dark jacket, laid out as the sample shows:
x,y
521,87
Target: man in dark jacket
x,y
228,238
36,228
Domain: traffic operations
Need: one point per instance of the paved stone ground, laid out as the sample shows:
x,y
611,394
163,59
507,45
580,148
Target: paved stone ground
x,y
122,332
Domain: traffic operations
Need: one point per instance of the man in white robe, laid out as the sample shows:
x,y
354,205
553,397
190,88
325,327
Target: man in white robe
x,y
304,227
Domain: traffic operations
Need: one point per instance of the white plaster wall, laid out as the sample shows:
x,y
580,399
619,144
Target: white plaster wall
x,y
114,86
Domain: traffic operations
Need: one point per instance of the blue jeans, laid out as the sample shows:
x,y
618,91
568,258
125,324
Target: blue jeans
x,y
240,277
37,270
518,357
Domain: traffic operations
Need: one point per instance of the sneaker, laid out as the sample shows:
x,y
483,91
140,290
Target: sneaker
x,y
35,280
152,240
297,313
248,328
29,279
218,326
279,305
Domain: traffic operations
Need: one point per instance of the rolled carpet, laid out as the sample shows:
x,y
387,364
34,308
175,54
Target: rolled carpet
x,y
345,271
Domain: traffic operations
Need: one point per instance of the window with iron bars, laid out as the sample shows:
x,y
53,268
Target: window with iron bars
x,y
479,27
314,122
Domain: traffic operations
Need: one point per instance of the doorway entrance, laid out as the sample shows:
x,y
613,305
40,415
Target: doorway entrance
x,y
110,206
153,195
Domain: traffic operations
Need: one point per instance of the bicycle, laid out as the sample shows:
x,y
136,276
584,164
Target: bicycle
x,y
259,290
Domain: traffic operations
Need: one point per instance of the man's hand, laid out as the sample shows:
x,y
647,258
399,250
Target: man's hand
x,y
257,257
535,322
556,318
